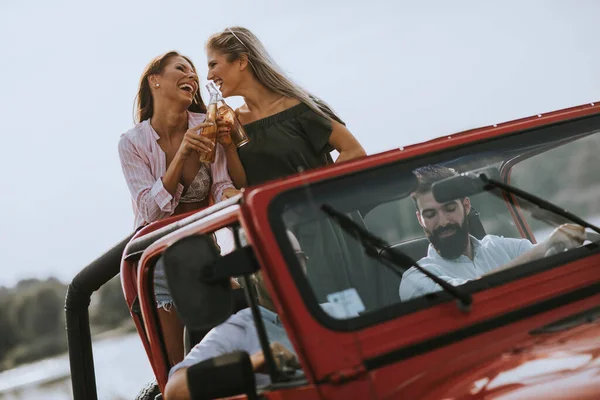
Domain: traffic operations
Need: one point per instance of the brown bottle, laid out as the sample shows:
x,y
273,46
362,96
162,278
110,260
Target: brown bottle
x,y
238,133
210,132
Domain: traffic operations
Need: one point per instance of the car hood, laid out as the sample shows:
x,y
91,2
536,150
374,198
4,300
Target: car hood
x,y
554,365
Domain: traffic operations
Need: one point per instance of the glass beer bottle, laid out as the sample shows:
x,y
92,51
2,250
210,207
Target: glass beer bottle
x,y
237,133
210,132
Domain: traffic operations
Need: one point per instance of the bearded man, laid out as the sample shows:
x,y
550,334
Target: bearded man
x,y
458,257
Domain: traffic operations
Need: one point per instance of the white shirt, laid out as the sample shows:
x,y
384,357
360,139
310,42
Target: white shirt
x,y
238,333
488,254
144,164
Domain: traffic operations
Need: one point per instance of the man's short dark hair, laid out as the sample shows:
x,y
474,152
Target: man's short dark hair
x,y
427,176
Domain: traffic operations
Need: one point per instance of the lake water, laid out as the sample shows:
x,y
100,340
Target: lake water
x,y
121,365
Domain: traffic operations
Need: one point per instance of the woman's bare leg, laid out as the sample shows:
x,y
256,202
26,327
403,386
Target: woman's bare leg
x,y
172,331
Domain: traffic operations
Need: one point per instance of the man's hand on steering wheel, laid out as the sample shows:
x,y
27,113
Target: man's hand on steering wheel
x,y
565,237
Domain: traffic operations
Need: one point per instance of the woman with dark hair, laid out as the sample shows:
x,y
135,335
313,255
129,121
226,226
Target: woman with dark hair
x,y
289,129
160,161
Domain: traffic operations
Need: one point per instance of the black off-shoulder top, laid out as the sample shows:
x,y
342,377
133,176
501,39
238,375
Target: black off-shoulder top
x,y
286,143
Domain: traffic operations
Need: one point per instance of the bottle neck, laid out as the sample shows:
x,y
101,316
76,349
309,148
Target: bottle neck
x,y
214,93
211,111
214,99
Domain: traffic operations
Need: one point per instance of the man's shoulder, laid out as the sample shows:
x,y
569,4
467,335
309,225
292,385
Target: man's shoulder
x,y
499,245
431,264
502,241
225,337
242,318
493,239
233,330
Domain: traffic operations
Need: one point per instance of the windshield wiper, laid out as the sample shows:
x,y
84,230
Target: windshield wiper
x,y
379,249
538,201
470,183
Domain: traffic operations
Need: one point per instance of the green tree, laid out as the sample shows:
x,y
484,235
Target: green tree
x,y
37,310
8,338
31,321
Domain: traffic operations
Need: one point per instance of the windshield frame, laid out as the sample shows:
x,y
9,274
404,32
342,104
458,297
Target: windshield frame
x,y
506,171
541,137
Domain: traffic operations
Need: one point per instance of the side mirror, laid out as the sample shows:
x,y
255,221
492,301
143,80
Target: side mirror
x,y
223,376
202,300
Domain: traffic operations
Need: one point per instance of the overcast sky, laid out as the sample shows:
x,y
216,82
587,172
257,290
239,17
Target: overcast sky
x,y
398,72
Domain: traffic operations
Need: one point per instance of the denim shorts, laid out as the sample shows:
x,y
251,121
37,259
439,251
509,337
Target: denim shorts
x,y
161,290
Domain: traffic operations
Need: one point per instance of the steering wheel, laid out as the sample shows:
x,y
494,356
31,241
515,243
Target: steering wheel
x,y
593,237
555,249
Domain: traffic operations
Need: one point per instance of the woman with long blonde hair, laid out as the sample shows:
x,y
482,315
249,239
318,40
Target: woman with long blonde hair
x,y
289,129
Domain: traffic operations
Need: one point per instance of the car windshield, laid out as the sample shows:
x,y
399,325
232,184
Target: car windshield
x,y
465,241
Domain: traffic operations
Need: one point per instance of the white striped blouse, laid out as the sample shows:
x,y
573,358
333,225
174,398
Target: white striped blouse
x,y
144,164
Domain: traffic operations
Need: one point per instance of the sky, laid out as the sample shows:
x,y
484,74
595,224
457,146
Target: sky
x,y
398,73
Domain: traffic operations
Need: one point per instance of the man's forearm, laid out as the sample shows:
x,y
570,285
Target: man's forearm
x,y
177,386
258,361
534,254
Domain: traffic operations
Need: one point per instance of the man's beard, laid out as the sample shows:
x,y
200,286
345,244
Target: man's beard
x,y
452,246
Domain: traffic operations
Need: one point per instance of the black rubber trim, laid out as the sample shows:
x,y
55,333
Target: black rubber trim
x,y
481,327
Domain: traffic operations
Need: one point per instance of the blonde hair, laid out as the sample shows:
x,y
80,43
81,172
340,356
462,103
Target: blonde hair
x,y
236,41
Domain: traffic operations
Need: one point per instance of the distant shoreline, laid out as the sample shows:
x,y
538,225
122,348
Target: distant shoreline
x,y
49,370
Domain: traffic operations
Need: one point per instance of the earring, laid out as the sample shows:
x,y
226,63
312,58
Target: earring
x,y
157,85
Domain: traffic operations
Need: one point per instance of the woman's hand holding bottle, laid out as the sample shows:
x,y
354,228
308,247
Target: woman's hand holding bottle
x,y
223,133
194,142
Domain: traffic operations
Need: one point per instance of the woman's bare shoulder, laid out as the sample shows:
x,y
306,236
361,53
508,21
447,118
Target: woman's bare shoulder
x,y
289,102
242,113
245,115
243,109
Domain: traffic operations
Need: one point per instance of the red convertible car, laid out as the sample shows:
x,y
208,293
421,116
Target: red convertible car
x,y
527,332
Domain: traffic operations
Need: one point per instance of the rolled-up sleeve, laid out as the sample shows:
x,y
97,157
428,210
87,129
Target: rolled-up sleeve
x,y
220,175
151,200
222,339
